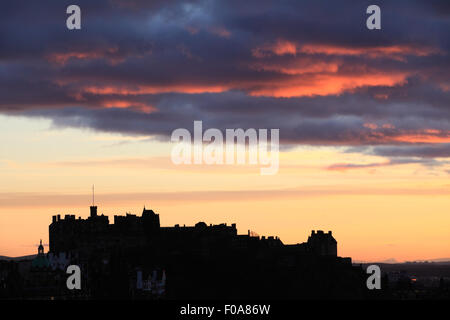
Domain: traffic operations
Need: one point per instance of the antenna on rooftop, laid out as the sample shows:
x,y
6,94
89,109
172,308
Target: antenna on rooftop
x,y
93,196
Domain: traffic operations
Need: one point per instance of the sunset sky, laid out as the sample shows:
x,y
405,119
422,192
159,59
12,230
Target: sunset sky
x,y
364,118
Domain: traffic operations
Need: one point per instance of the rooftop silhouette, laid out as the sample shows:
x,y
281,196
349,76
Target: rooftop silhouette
x,y
203,261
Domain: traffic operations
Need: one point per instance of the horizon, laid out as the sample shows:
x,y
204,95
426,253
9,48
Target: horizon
x,y
355,260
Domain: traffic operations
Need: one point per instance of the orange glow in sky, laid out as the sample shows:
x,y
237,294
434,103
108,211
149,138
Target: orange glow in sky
x,y
375,212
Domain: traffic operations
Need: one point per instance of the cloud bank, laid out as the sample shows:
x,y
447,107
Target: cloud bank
x,y
309,68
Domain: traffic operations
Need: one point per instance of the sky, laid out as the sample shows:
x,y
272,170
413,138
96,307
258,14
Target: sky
x,y
364,118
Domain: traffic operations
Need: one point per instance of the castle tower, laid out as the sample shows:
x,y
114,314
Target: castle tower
x,y
93,207
40,248
93,211
150,221
41,261
322,243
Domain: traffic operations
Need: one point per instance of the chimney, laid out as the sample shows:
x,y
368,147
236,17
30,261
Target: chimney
x,y
93,211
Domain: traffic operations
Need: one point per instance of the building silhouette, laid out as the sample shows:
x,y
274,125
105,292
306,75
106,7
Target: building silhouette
x,y
136,258
203,261
83,236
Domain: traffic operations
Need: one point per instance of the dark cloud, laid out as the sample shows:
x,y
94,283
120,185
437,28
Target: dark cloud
x,y
310,68
396,161
423,151
301,120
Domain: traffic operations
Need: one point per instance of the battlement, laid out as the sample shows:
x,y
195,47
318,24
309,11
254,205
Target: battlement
x,y
322,243
67,217
71,217
320,232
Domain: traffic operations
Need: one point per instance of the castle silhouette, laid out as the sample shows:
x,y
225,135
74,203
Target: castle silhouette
x,y
69,234
135,257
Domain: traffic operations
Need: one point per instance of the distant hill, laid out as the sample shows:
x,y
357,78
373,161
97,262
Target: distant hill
x,y
18,258
440,260
394,261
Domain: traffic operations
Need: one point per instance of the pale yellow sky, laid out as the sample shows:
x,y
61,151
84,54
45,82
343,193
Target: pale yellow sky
x,y
375,212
